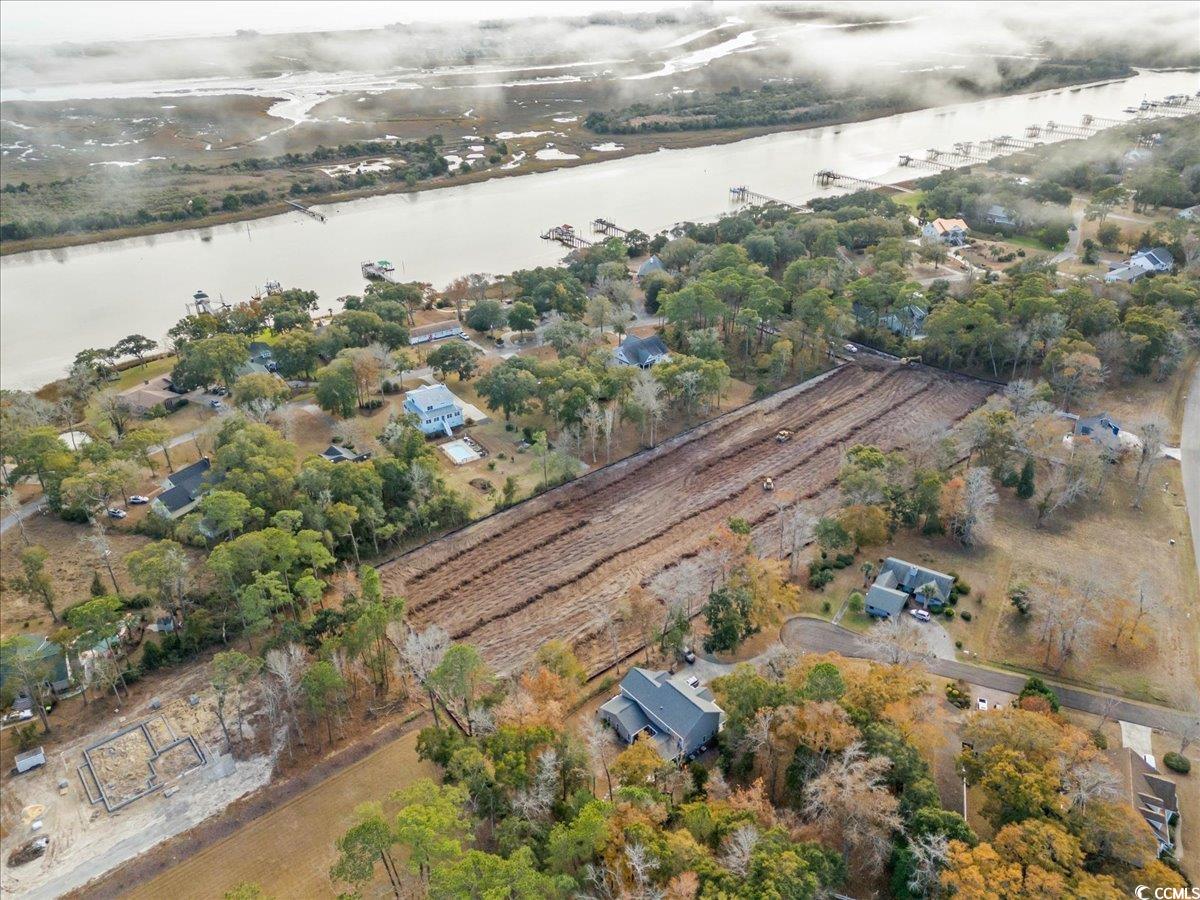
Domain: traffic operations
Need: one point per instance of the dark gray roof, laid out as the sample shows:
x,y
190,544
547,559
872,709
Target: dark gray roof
x,y
41,648
636,351
183,487
887,600
1160,257
629,713
673,703
910,577
337,454
653,264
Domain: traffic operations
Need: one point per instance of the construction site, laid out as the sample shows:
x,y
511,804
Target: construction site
x,y
559,566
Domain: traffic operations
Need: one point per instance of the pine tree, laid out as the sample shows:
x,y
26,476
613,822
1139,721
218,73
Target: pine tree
x,y
97,589
1025,485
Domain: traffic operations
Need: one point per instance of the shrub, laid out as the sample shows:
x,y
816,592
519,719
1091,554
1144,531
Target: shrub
x,y
957,696
826,607
28,737
958,645
1099,739
138,601
842,560
1177,762
966,615
818,577
856,602
948,612
963,588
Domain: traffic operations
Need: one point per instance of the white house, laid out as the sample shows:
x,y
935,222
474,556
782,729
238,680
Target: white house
x,y
948,231
1157,261
438,411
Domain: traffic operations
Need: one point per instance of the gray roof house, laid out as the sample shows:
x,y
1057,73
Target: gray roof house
x,y
906,321
437,410
649,267
678,718
336,454
641,352
1154,797
182,489
998,215
1156,261
899,580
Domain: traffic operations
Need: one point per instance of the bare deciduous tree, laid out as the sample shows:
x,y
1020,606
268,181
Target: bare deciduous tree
x,y
736,849
647,396
1147,459
896,641
423,651
288,664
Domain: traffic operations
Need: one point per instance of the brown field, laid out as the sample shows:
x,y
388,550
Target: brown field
x,y
553,567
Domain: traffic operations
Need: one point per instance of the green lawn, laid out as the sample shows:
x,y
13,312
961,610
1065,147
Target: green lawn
x,y
137,374
911,201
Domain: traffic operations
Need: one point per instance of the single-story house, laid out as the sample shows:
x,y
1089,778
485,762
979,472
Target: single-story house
x,y
151,393
1154,797
181,490
999,215
678,718
641,352
435,331
1103,430
336,454
44,650
948,231
898,581
1156,261
437,410
649,267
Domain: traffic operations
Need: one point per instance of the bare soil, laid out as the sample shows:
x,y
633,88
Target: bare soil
x,y
555,566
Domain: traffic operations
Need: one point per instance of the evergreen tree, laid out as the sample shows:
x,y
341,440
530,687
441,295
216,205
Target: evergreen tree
x,y
1025,485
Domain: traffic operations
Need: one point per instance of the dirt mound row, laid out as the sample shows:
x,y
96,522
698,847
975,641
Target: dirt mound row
x,y
552,567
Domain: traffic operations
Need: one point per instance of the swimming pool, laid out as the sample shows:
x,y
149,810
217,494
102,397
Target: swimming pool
x,y
460,452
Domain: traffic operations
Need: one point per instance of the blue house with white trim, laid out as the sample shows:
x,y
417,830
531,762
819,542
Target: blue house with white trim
x,y
437,410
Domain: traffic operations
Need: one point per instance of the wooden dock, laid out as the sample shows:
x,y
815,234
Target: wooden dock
x,y
743,194
612,229
827,177
566,235
320,217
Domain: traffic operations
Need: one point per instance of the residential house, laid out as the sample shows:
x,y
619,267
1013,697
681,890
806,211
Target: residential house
x,y
948,231
153,392
42,649
641,352
181,490
1000,216
437,410
649,267
1157,261
680,719
899,581
1103,430
1154,797
336,454
435,331
907,321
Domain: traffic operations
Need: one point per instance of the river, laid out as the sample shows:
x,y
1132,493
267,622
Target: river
x,y
55,302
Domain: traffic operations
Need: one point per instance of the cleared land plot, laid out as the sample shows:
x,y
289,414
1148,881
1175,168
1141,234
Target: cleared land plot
x,y
555,567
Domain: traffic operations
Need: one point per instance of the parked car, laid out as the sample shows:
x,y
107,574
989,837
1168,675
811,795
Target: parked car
x,y
220,391
138,500
688,655
116,513
920,615
850,348
20,715
982,701
216,404
693,681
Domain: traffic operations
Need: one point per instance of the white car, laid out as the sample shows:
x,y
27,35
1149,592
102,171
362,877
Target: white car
x,y
138,500
115,513
982,702
849,348
920,615
693,681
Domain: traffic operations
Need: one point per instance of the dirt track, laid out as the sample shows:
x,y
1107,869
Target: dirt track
x,y
549,567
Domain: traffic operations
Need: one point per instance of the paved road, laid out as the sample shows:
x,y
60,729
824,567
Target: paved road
x,y
819,636
1071,251
1190,460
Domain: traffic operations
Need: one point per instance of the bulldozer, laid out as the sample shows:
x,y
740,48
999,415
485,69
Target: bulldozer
x,y
768,484
783,436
